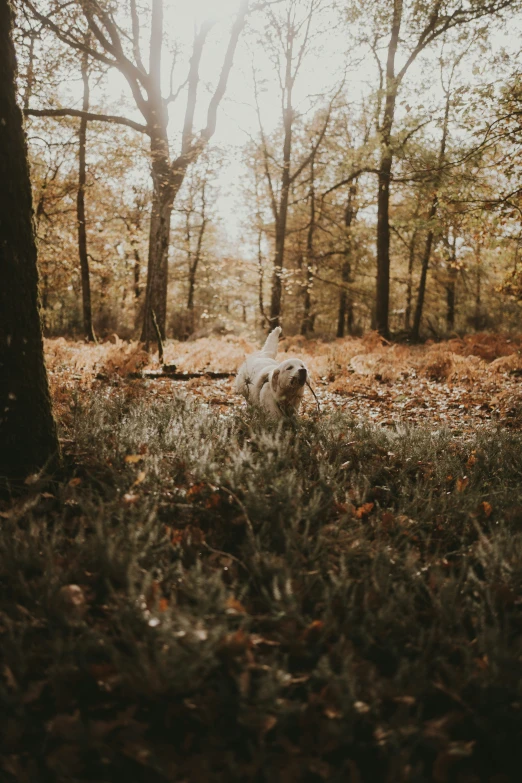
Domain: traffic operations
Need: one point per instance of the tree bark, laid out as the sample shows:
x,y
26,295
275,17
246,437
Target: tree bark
x,y
80,210
157,275
28,438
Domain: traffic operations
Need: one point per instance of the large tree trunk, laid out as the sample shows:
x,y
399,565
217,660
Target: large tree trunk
x,y
157,270
28,439
163,195
80,211
382,293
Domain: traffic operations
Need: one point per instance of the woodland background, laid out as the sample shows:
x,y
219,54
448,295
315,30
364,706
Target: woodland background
x,y
278,217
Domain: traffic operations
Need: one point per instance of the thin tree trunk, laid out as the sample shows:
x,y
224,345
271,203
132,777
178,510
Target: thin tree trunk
x,y
261,279
450,303
415,332
409,285
307,324
80,211
345,313
478,290
194,261
136,269
282,212
28,438
451,285
382,294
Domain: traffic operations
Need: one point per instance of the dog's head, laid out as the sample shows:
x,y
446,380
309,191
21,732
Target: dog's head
x,y
288,379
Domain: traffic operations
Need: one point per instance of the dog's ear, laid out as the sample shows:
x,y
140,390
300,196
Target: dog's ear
x,y
275,379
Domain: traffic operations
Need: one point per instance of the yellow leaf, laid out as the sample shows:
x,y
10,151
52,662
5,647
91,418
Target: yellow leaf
x,y
140,478
131,459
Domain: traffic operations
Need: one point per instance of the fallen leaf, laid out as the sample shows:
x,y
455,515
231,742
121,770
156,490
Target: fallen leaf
x,y
131,459
462,483
234,606
471,460
140,478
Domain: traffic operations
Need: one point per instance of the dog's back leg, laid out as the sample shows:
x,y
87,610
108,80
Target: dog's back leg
x,y
272,341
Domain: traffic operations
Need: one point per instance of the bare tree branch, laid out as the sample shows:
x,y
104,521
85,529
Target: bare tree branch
x,y
136,35
237,27
86,115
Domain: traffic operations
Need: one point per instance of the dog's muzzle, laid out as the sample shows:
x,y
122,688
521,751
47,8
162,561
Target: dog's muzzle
x,y
301,374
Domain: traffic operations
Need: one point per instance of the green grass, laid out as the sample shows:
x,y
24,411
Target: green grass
x,y
319,600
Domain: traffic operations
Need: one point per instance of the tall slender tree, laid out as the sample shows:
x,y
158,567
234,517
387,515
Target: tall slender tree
x,y
288,37
409,28
120,49
88,329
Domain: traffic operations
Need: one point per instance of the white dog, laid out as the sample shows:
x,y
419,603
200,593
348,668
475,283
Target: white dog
x,y
277,388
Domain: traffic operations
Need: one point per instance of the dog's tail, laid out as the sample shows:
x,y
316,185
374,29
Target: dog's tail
x,y
272,341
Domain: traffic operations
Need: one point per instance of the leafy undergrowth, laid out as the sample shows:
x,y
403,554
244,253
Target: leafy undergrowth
x,y
459,383
205,596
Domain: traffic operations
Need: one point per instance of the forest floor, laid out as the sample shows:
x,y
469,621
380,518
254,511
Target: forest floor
x,y
458,383
199,594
